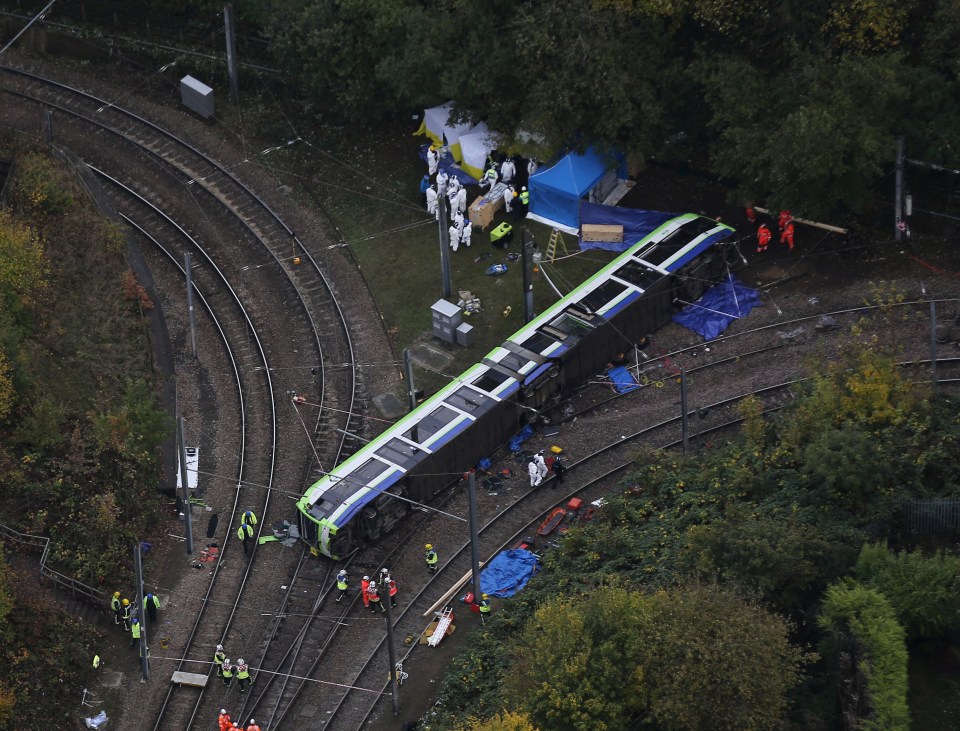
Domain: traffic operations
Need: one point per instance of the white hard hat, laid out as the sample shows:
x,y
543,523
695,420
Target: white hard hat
x,y
241,661
223,710
219,647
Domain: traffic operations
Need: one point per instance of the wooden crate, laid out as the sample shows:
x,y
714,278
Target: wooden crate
x,y
601,232
481,212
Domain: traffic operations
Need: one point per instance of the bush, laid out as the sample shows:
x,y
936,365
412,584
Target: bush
x,y
861,625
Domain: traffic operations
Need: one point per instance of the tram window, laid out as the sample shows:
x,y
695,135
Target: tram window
x,y
431,424
400,453
367,472
602,295
513,361
538,342
568,324
639,275
678,239
490,380
466,399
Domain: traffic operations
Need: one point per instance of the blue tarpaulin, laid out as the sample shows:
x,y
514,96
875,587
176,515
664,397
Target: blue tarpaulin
x,y
720,305
623,380
450,167
522,436
508,572
636,224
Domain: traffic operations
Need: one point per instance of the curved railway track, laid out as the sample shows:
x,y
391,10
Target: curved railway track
x,y
266,234
256,459
256,253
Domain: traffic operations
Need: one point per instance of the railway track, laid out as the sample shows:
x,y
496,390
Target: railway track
x,y
256,272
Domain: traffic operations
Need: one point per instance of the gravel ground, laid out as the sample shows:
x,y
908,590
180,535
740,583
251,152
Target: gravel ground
x,y
835,283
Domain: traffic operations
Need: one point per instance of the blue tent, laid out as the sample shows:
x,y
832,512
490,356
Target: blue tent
x,y
555,193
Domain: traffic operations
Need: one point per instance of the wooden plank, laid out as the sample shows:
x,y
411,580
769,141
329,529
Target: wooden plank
x,y
193,679
805,222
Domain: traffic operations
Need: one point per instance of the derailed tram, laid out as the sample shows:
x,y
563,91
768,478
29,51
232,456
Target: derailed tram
x,y
529,373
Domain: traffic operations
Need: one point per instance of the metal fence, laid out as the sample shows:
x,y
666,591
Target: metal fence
x,y
931,516
75,588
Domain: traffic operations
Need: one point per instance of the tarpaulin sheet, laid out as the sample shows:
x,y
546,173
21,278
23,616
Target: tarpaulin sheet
x,y
522,436
636,224
720,305
449,167
623,380
508,572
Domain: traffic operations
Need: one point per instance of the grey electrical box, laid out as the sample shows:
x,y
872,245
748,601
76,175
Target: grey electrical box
x,y
196,96
465,335
447,317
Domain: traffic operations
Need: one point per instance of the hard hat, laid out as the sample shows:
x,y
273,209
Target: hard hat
x,y
219,648
373,585
429,546
227,661
253,720
223,710
366,578
126,602
384,571
241,661
486,596
136,621
342,572
116,595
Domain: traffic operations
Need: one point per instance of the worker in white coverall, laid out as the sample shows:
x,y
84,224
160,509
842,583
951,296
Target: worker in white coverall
x,y
508,196
454,233
534,474
541,464
507,170
442,180
461,202
453,185
466,232
433,160
458,220
432,202
489,178
532,166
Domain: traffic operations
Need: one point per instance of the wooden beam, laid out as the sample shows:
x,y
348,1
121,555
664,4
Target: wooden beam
x,y
804,221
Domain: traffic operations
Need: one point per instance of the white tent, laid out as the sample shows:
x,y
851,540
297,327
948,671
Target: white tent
x,y
475,146
434,122
452,134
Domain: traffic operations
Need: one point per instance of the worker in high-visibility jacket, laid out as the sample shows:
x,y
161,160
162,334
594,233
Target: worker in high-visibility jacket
x,y
392,585
484,608
431,559
134,631
364,585
150,605
523,203
763,237
224,720
127,613
245,534
117,606
227,672
787,236
219,657
248,517
489,178
342,584
243,674
253,725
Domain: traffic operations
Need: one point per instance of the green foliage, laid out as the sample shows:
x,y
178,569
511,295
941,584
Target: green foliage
x,y
506,721
861,620
135,428
674,660
23,268
786,562
924,591
38,188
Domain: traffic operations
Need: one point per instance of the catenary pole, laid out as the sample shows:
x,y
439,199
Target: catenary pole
x,y
683,408
474,536
391,652
193,328
527,250
898,193
144,663
444,240
231,53
187,517
933,343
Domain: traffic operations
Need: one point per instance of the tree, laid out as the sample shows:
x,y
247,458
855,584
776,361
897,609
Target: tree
x,y
690,658
924,591
506,721
861,623
22,265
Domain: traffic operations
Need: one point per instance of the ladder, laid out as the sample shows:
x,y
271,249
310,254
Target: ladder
x,y
556,240
444,619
